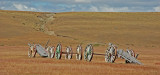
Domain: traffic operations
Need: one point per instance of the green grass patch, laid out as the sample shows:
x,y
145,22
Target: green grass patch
x,y
96,44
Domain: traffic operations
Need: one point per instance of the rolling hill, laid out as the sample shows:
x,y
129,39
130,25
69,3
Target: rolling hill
x,y
126,29
139,31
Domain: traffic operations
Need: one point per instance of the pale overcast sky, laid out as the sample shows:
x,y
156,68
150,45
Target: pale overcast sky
x,y
82,5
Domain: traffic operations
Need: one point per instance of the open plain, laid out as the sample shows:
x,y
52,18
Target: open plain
x,y
137,31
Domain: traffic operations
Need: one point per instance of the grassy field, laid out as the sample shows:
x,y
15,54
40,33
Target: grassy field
x,y
134,29
138,31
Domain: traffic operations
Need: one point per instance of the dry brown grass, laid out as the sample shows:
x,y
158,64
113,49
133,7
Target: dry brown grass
x,y
14,61
139,31
133,29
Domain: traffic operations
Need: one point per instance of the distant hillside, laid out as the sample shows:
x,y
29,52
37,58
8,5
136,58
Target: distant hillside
x,y
20,28
100,28
128,29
